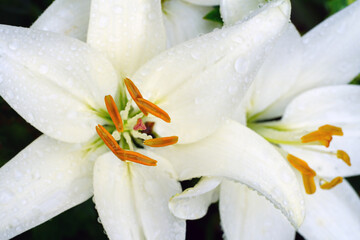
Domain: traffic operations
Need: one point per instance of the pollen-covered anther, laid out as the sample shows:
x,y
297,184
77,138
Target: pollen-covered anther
x,y
301,165
343,156
108,139
161,142
309,183
323,138
135,157
332,183
332,130
134,93
153,109
114,113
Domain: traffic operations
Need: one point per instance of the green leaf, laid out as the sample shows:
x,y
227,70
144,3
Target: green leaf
x,y
356,80
336,5
214,15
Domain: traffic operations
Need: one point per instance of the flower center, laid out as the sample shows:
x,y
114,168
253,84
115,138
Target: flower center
x,y
130,131
322,136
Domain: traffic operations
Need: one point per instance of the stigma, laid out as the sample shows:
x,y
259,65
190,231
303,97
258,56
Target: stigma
x,y
128,132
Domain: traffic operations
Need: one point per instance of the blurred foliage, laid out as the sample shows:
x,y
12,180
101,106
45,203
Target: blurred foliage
x,y
81,222
214,15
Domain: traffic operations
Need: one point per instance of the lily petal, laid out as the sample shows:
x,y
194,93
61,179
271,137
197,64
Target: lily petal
x,y
273,79
54,82
332,214
204,2
193,203
246,215
237,153
211,72
67,17
235,10
334,105
184,21
140,193
130,32
331,52
45,179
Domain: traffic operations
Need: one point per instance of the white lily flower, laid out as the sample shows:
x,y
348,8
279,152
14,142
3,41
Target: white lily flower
x,y
182,20
58,84
310,120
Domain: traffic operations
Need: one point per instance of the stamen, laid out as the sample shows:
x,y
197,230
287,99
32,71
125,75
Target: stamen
x,y
323,138
108,139
332,130
134,93
161,142
128,140
153,109
309,183
301,165
136,157
344,156
114,113
333,183
139,125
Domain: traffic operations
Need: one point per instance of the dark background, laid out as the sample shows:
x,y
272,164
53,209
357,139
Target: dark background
x,y
81,222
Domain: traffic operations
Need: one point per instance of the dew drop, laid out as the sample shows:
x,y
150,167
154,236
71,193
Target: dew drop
x,y
43,69
13,46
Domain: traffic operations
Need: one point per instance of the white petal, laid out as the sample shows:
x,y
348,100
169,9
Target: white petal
x,y
332,214
246,215
194,202
67,17
132,200
54,82
184,21
130,32
153,187
204,2
336,105
331,52
45,179
199,82
114,198
237,153
273,79
235,10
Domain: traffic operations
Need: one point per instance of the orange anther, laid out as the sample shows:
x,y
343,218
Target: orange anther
x,y
344,156
136,157
134,93
153,109
108,139
332,130
333,183
301,165
324,138
114,113
139,125
309,183
161,142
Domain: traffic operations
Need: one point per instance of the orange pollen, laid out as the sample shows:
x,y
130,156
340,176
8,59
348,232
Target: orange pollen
x,y
323,138
343,156
121,153
114,113
301,165
309,183
332,130
139,125
161,142
134,93
153,109
136,157
332,183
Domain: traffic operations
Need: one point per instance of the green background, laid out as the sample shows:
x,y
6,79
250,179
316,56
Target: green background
x,y
81,222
